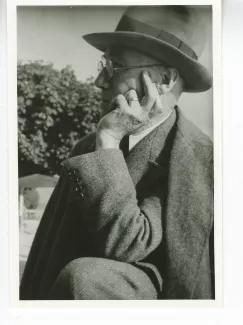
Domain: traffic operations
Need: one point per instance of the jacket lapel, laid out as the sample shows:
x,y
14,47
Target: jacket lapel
x,y
146,161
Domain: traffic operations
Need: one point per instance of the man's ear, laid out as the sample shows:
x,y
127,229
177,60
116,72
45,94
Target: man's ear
x,y
169,78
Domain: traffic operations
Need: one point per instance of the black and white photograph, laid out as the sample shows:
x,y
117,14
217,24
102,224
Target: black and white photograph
x,y
115,119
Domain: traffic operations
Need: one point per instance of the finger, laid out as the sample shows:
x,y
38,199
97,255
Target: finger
x,y
150,92
132,100
158,103
131,95
147,83
121,102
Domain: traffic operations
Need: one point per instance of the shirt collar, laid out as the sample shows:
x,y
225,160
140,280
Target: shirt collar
x,y
135,138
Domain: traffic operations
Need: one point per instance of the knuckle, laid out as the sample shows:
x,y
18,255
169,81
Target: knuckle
x,y
120,97
132,92
121,101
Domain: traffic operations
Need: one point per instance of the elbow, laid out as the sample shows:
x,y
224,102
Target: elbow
x,y
131,242
133,251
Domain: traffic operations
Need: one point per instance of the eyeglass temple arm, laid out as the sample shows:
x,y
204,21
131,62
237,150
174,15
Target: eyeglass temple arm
x,y
138,66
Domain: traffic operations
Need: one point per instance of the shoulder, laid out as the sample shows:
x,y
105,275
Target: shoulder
x,y
198,142
84,145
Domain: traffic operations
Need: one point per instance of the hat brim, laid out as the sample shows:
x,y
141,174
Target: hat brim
x,y
197,78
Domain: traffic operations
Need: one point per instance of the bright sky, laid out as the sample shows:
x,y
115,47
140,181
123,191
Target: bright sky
x,y
54,34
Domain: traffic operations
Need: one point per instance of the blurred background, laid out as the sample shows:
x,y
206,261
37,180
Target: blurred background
x,y
58,103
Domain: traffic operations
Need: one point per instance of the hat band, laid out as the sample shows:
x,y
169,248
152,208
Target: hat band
x,y
128,24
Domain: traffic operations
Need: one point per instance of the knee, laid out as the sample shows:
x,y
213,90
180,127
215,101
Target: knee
x,y
77,269
76,279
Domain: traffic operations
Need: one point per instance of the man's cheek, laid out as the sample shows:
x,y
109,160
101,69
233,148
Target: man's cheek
x,y
121,88
136,84
132,83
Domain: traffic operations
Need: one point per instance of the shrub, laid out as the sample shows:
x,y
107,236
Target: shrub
x,y
31,198
55,110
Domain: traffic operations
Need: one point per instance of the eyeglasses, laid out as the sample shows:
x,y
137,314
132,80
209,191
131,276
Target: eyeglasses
x,y
111,70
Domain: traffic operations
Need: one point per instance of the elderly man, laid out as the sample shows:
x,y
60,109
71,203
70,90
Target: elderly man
x,y
131,215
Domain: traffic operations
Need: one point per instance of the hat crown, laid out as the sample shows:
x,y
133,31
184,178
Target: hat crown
x,y
182,26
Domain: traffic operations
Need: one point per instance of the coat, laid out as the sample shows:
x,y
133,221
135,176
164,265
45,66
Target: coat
x,y
107,207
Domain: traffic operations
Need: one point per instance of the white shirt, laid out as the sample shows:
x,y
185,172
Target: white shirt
x,y
135,138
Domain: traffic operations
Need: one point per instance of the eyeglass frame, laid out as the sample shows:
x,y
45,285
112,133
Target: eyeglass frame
x,y
117,70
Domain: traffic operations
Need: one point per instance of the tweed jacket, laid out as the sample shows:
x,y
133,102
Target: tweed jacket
x,y
107,207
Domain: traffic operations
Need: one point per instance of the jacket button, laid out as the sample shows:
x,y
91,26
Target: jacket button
x,y
81,195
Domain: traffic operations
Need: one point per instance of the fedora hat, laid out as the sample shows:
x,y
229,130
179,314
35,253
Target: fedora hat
x,y
175,35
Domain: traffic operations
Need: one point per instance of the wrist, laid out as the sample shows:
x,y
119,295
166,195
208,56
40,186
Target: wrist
x,y
105,140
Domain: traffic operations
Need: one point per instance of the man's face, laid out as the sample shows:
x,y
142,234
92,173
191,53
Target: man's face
x,y
122,81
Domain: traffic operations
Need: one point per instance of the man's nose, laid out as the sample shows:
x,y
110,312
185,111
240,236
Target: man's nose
x,y
102,81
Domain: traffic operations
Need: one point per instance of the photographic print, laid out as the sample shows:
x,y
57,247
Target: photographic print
x,y
115,152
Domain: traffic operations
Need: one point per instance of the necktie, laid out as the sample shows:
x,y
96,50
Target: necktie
x,y
124,146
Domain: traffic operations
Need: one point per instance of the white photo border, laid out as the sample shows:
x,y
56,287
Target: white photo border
x,y
13,174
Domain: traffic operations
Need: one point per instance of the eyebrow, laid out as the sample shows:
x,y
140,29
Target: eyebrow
x,y
112,58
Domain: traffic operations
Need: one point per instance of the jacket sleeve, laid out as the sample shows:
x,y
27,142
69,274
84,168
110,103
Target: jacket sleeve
x,y
123,229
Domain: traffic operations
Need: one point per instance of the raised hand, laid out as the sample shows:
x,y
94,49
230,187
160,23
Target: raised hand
x,y
127,115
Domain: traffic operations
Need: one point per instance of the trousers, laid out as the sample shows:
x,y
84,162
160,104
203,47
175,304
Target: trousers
x,y
92,278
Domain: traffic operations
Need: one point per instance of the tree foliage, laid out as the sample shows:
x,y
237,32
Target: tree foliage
x,y
55,110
